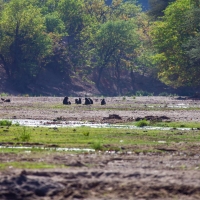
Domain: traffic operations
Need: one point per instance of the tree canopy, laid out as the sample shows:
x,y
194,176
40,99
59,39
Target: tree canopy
x,y
173,38
104,38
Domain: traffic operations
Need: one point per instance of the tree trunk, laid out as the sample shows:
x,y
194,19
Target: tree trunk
x,y
118,74
99,77
5,66
132,78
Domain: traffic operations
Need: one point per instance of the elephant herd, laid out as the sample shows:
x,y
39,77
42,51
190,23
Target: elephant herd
x,y
88,101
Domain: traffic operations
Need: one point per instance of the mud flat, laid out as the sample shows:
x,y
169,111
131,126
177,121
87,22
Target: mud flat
x,y
108,177
173,173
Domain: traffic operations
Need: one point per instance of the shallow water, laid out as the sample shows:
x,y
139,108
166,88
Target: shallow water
x,y
47,148
56,124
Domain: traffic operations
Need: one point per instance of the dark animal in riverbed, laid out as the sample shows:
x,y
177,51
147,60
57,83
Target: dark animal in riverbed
x,y
87,101
103,102
66,102
78,101
91,101
5,100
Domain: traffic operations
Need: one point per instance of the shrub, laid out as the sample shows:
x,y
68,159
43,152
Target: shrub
x,y
142,123
24,135
3,94
5,123
86,133
164,94
97,146
143,93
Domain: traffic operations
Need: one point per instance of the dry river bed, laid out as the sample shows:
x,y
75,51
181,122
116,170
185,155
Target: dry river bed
x,y
103,175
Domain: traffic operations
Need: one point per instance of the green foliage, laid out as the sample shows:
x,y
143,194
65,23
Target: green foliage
x,y
85,36
142,123
113,41
5,123
175,39
97,146
24,134
86,133
54,24
4,94
24,43
143,93
164,94
157,7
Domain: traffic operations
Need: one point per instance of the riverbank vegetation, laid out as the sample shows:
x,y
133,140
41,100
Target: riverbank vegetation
x,y
113,139
88,38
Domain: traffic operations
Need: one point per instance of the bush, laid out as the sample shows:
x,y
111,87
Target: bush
x,y
143,93
97,146
24,135
142,123
5,123
164,94
3,94
86,133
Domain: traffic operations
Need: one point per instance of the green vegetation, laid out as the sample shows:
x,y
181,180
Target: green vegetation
x,y
142,123
97,146
84,36
176,41
98,138
24,134
34,142
143,93
4,94
5,123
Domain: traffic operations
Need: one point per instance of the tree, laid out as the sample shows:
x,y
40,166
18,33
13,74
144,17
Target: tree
x,y
114,41
173,39
157,7
24,43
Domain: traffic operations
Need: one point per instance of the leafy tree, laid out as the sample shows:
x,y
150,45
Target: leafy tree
x,y
24,43
114,42
157,7
54,24
173,39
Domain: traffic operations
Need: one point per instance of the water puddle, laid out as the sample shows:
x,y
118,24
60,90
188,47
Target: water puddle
x,y
47,148
180,105
57,124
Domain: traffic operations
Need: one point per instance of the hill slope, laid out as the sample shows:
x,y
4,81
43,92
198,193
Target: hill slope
x,y
50,83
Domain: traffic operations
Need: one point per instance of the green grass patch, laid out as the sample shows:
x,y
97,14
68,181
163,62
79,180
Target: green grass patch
x,y
97,138
176,124
24,134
